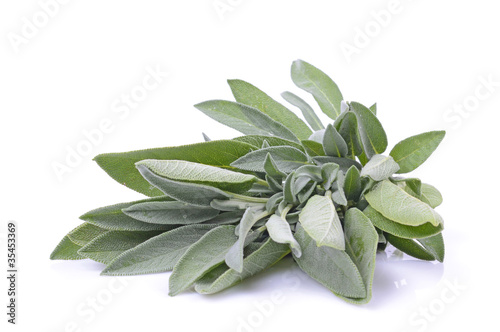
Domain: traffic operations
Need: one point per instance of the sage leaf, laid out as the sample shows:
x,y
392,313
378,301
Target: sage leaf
x,y
348,129
361,246
246,93
324,90
317,136
414,151
397,205
313,148
245,119
186,171
121,166
312,172
320,220
431,195
106,247
306,110
258,140
286,159
264,257
204,255
428,249
234,256
272,169
85,233
170,213
331,267
196,194
279,230
158,254
225,218
352,184
66,250
112,217
434,245
344,163
338,194
329,172
399,230
373,108
413,186
288,189
333,144
371,132
380,167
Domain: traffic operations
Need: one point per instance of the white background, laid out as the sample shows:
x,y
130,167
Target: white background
x,y
67,75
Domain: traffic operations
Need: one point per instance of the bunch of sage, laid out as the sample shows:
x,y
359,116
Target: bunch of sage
x,y
221,211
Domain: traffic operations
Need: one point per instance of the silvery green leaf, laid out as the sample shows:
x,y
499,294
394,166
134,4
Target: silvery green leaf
x,y
66,250
313,148
258,140
271,168
397,205
371,132
265,144
306,192
274,185
412,186
234,256
428,249
399,230
85,233
307,110
338,195
414,151
279,230
312,172
196,194
106,247
373,108
207,253
333,144
121,166
300,184
434,245
380,167
324,90
186,171
352,184
286,159
273,201
361,246
112,218
226,218
329,172
158,254
248,94
170,213
347,126
431,195
320,220
233,204
344,163
288,189
206,138
317,136
331,267
222,278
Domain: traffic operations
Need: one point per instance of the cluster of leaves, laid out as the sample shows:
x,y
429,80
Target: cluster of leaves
x,y
222,211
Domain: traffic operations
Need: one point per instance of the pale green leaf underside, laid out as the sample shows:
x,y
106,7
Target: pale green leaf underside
x,y
286,158
380,167
430,195
279,230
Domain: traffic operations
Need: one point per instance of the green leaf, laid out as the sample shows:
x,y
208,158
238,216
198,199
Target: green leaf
x,y
313,148
431,195
106,247
234,256
429,249
186,171
333,144
112,218
286,159
158,254
312,172
272,169
320,220
412,186
170,213
279,230
371,132
245,119
258,140
66,250
196,194
317,136
344,163
396,204
248,94
329,172
288,189
307,110
361,246
261,259
85,233
347,126
402,231
226,218
201,257
373,108
380,167
331,267
352,184
324,90
121,166
338,194
414,151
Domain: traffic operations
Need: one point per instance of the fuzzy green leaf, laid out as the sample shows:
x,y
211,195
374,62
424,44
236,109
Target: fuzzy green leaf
x,y
429,249
306,110
66,250
258,140
380,167
431,195
352,184
170,213
85,233
286,159
371,132
333,144
347,126
313,148
279,230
